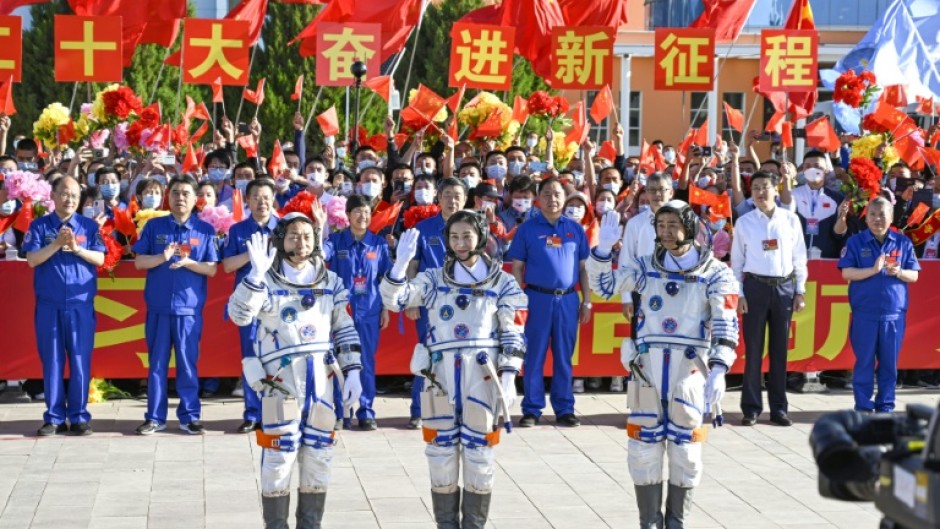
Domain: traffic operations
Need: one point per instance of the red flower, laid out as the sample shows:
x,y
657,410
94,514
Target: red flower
x,y
114,252
416,214
540,103
180,135
561,106
867,174
854,90
871,124
121,102
301,203
150,117
133,133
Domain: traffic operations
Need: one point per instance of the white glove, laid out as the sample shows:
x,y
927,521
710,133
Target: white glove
x,y
508,382
715,385
261,257
352,389
406,249
609,233
254,372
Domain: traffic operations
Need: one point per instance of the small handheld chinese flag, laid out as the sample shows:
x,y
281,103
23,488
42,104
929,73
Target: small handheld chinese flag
x,y
248,143
917,216
6,97
25,217
608,151
190,163
520,109
895,95
579,126
381,85
238,206
217,90
384,215
329,122
820,135
925,106
786,135
735,117
277,163
775,124
200,132
602,105
491,128
454,101
701,135
298,89
701,197
255,96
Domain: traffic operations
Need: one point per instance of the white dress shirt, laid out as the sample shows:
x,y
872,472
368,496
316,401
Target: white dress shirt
x,y
639,238
814,204
769,246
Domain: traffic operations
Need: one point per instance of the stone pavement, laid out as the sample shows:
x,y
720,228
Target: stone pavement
x,y
760,477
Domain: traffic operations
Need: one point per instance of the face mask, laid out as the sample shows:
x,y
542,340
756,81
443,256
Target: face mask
x,y
159,178
346,188
88,212
341,152
109,191
365,164
531,143
670,157
814,175
424,197
574,212
150,201
7,208
293,172
614,188
578,176
370,189
603,207
469,181
457,161
630,172
488,205
91,178
281,184
241,185
522,205
515,168
644,208
718,225
496,172
216,175
124,185
704,182
316,178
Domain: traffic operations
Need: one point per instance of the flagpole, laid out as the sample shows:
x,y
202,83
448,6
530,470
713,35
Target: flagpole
x,y
414,51
346,119
313,109
156,83
179,84
74,94
241,100
750,114
301,98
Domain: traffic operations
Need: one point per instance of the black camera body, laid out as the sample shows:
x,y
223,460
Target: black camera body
x,y
892,459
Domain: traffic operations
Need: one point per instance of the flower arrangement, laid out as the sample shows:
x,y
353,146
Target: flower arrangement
x,y
113,249
301,203
336,217
867,146
543,104
481,108
24,185
864,182
144,215
114,104
219,217
563,152
52,118
855,90
416,214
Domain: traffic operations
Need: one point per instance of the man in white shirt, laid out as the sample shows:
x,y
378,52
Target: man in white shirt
x,y
768,257
818,206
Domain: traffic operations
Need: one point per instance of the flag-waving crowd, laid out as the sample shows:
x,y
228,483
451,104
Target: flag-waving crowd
x,y
701,239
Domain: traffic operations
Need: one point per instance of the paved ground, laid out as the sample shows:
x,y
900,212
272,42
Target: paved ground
x,y
760,477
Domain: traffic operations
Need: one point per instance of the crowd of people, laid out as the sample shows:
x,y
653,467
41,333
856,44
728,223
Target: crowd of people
x,y
424,229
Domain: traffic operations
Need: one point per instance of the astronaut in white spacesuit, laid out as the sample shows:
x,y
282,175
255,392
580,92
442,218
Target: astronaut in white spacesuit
x,y
305,343
686,333
474,350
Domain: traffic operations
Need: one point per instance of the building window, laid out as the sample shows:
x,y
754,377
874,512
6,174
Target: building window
x,y
601,132
634,137
736,101
698,109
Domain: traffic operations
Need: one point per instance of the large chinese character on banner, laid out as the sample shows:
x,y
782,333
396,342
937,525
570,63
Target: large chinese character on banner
x,y
583,57
788,60
684,59
340,45
87,48
481,56
11,48
215,49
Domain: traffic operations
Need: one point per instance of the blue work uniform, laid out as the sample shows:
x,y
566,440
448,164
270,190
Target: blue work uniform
x,y
430,254
879,310
175,299
362,265
236,244
65,287
552,254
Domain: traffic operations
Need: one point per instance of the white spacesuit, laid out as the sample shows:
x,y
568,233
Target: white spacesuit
x,y
476,315
686,332
305,342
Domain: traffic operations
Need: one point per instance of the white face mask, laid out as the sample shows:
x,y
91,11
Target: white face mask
x,y
496,172
457,161
370,189
603,207
88,212
293,172
281,183
470,182
341,152
365,164
488,205
614,188
522,205
316,178
531,143
575,212
644,208
424,197
515,168
151,201
814,175
241,185
578,176
670,156
704,182
7,208
346,188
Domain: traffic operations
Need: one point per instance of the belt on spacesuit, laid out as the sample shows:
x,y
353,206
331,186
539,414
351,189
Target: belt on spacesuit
x,y
463,344
772,281
303,292
552,291
283,443
431,436
636,432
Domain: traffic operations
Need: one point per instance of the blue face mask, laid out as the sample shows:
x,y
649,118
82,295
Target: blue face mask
x,y
150,201
241,185
109,191
216,175
718,225
91,178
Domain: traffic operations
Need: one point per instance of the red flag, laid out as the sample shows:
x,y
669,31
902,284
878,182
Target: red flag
x,y
909,151
238,206
801,16
608,151
201,112
329,122
925,106
821,135
277,164
190,162
143,21
735,117
456,99
786,135
384,215
491,128
520,109
917,216
124,221
610,13
931,155
255,96
6,97
200,132
248,143
701,135
397,18
579,125
895,121
451,131
252,11
163,22
775,124
381,85
895,95
25,216
701,197
602,105
298,88
726,17
217,90
7,6
721,209
422,108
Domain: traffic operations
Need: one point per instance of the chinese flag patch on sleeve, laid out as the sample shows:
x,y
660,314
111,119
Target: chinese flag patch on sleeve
x,y
731,301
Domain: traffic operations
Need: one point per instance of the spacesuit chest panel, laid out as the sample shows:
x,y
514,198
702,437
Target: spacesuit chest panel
x,y
673,310
460,314
291,323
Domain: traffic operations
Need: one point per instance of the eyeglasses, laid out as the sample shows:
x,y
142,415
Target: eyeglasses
x,y
656,190
68,196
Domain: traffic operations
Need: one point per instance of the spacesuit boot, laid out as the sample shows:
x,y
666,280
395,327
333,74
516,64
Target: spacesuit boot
x,y
678,505
649,499
476,507
310,507
446,509
275,511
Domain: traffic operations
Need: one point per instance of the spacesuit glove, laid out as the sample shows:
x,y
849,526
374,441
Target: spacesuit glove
x,y
609,233
405,252
508,382
715,385
261,256
254,372
352,389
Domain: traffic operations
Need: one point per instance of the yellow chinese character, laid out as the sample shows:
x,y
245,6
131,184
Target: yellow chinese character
x,y
347,48
480,59
216,45
577,57
5,64
88,46
683,59
791,59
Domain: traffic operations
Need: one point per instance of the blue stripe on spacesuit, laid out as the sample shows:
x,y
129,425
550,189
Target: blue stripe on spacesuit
x,y
467,291
303,292
480,402
676,277
687,403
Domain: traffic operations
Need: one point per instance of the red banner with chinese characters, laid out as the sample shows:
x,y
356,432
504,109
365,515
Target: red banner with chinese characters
x,y
819,336
11,48
684,59
788,60
582,57
481,56
340,45
216,50
88,49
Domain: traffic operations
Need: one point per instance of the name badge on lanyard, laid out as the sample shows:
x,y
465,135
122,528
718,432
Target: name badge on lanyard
x,y
770,245
812,226
930,252
360,285
553,241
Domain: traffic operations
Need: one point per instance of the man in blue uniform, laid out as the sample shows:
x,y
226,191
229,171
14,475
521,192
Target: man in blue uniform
x,y
452,195
548,256
260,194
360,258
878,263
179,252
65,250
